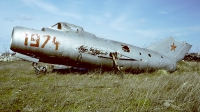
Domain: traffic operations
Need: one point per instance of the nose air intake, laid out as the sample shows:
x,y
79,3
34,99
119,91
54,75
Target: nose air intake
x,y
11,41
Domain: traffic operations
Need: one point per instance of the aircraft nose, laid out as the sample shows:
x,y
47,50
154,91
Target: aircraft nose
x,y
15,38
11,41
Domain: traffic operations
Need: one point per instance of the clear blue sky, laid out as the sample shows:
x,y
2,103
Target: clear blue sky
x,y
137,22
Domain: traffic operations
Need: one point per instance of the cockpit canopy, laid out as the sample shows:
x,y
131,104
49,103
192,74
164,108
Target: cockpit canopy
x,y
62,26
68,28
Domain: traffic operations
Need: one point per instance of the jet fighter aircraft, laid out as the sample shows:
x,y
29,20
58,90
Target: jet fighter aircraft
x,y
68,44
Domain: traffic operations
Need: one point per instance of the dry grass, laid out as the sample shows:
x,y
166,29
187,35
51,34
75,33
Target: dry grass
x,y
22,90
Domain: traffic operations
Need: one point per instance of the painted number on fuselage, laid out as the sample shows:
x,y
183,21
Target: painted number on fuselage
x,y
47,39
35,41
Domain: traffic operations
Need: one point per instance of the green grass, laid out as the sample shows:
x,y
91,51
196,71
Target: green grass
x,y
22,90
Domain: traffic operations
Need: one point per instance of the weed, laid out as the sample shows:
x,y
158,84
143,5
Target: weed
x,y
157,90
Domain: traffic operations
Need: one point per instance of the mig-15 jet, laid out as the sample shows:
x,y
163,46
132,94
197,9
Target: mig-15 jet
x,y
68,44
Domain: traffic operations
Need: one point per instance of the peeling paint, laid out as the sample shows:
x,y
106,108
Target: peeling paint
x,y
82,49
115,54
47,39
26,39
36,39
91,50
125,48
56,43
97,52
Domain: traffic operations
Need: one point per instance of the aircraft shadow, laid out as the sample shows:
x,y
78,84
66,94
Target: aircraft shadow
x,y
83,71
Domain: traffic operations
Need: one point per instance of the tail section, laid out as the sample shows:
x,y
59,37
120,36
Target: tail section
x,y
171,48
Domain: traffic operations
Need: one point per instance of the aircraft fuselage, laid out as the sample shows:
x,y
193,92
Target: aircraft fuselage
x,y
82,49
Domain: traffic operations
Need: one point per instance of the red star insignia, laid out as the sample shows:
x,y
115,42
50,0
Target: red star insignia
x,y
173,47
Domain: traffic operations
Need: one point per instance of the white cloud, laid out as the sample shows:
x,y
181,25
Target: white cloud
x,y
99,23
50,8
107,15
148,33
42,5
109,1
20,17
177,35
119,23
195,28
25,17
11,19
163,12
142,20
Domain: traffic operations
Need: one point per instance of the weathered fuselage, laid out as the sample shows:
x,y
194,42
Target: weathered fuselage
x,y
82,49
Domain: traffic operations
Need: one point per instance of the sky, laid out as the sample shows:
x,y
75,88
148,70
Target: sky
x,y
137,22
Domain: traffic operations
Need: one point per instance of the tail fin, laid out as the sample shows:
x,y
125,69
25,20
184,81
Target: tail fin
x,y
171,48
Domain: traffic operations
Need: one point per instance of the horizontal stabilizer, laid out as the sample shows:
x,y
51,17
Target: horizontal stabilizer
x,y
171,48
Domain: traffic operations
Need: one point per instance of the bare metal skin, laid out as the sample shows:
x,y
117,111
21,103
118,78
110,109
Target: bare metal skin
x,y
70,45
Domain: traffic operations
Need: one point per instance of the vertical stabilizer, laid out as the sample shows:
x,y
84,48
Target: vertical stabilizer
x,y
171,48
